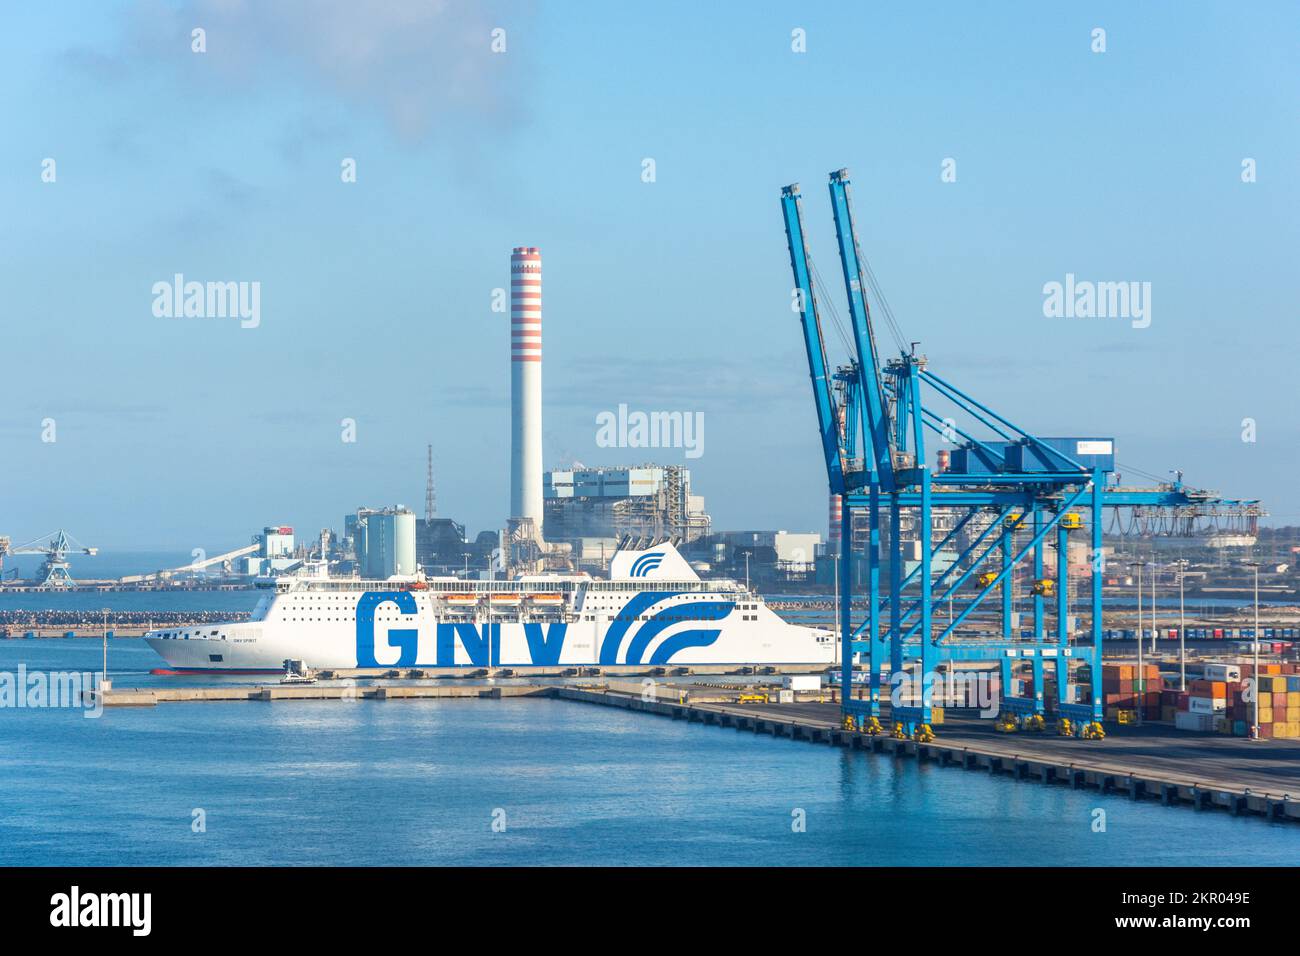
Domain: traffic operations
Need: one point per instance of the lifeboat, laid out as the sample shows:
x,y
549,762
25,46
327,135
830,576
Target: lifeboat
x,y
506,600
546,598
460,599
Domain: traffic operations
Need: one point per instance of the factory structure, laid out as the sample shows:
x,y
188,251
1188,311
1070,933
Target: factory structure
x,y
592,509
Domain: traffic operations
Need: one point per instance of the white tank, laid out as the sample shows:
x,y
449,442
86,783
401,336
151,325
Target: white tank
x,y
389,544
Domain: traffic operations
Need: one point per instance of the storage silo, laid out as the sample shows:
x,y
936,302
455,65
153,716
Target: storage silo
x,y
389,543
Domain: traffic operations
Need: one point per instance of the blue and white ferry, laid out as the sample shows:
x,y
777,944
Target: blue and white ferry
x,y
652,610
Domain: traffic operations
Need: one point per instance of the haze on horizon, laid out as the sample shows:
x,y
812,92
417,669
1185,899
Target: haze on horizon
x,y
671,295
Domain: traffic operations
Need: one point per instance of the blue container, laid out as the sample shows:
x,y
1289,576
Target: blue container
x,y
972,459
1026,456
68,634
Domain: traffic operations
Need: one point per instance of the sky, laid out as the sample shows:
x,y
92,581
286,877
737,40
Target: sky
x,y
665,295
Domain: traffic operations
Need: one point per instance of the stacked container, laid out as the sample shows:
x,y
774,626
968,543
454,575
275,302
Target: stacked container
x,y
1279,703
1221,703
1126,688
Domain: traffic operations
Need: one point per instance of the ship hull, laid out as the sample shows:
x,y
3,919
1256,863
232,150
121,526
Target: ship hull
x,y
396,629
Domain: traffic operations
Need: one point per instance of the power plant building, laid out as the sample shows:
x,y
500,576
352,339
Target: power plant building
x,y
440,545
650,501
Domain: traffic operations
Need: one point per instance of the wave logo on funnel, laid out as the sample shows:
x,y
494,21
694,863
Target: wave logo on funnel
x,y
643,565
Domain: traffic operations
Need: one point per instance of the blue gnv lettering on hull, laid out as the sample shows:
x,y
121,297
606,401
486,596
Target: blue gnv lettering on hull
x,y
482,643
545,648
481,646
404,638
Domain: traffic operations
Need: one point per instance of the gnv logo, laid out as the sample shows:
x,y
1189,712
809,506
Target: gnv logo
x,y
643,565
480,643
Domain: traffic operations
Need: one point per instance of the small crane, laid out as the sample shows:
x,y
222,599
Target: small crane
x,y
55,546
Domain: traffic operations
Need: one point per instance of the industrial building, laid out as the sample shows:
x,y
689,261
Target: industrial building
x,y
783,554
440,545
275,552
594,508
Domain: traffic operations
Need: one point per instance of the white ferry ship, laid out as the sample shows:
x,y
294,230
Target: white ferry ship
x,y
653,610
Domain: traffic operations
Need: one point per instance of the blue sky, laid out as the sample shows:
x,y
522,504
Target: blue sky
x,y
671,295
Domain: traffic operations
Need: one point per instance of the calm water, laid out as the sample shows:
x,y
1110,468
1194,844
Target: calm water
x,y
114,601
417,782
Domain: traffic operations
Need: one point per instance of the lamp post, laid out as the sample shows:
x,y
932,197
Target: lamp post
x,y
839,637
1182,628
103,679
1155,631
1254,673
1142,675
746,570
466,555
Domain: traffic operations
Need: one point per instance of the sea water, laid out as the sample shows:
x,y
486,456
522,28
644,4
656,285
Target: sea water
x,y
527,781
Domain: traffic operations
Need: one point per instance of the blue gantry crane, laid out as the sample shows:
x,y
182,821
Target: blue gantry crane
x,y
55,547
1009,491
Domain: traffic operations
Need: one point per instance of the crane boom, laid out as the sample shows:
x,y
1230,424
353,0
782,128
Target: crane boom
x,y
864,338
806,305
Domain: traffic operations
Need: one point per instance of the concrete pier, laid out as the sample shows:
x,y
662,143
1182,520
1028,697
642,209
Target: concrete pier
x,y
152,696
1202,771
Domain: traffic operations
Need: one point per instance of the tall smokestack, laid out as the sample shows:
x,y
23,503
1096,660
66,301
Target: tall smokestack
x,y
526,385
833,524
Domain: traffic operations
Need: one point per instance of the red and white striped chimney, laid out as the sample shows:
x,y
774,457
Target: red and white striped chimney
x,y
834,518
526,385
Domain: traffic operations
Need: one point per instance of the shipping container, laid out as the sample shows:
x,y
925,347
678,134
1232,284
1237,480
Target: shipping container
x,y
1222,672
1060,454
1185,720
